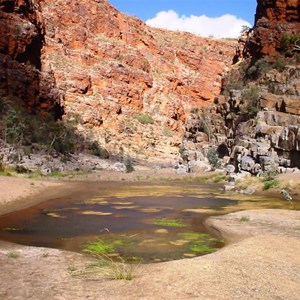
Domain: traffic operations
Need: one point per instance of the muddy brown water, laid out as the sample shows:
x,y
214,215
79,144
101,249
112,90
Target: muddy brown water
x,y
130,216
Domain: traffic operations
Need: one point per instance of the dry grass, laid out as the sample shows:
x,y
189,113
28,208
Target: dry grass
x,y
104,265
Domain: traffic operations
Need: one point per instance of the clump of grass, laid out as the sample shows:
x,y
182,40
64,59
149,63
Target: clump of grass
x,y
7,171
220,178
203,178
213,158
13,254
244,219
118,270
170,223
247,181
270,184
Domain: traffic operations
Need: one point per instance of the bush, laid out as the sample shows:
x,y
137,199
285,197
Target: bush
x,y
271,172
145,119
96,150
128,165
288,41
270,184
258,69
16,127
280,63
250,98
213,158
194,110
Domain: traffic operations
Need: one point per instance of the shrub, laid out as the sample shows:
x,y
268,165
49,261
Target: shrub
x,y
258,69
194,110
250,97
213,158
288,41
15,127
96,150
145,119
270,184
244,29
128,165
271,172
280,63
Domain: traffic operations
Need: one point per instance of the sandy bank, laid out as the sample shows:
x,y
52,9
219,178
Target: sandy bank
x,y
18,193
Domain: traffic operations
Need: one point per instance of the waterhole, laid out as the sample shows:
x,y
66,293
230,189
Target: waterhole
x,y
147,222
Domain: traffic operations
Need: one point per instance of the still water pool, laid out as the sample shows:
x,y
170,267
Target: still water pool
x,y
145,222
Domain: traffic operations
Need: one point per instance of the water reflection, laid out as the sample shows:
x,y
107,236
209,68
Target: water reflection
x,y
128,212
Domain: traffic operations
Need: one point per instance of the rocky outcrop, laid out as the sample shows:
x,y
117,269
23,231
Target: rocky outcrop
x,y
133,86
121,83
254,125
273,19
21,42
251,129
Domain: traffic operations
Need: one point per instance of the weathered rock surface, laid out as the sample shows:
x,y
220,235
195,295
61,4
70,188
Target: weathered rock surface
x,y
132,86
113,71
21,42
273,19
254,125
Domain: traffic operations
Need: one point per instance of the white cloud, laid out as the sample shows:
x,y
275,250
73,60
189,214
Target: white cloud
x,y
224,26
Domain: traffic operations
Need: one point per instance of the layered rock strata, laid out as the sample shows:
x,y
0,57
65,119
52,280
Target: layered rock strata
x,y
133,86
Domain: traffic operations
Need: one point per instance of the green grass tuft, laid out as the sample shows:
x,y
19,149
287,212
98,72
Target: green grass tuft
x,y
13,254
270,184
99,247
244,219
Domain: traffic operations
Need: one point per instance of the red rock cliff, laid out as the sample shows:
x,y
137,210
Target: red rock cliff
x,y
273,19
131,85
113,69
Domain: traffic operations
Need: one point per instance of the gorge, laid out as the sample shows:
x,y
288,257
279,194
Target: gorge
x,y
91,79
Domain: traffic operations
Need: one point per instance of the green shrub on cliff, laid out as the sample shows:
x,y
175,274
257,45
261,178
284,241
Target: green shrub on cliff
x,y
145,119
250,98
213,158
288,42
258,69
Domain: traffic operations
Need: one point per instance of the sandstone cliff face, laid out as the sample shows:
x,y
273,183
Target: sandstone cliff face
x,y
273,19
131,85
21,41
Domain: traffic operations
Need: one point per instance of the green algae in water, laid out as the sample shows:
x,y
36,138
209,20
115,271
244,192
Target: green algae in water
x,y
193,235
102,247
202,248
170,223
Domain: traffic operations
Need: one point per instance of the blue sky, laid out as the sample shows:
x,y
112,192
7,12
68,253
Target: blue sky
x,y
176,14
